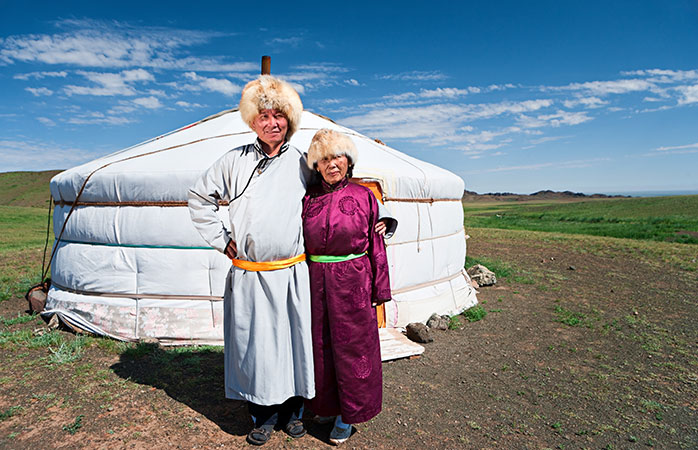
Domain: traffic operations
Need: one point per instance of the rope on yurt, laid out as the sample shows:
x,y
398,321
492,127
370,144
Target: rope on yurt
x,y
48,228
433,238
213,298
84,184
427,283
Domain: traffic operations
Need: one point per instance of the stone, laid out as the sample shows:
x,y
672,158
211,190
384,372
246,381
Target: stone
x,y
438,322
418,332
483,275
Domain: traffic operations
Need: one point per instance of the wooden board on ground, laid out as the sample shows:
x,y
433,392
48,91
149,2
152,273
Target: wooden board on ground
x,y
395,345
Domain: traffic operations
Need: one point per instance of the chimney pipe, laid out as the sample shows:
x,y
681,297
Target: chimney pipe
x,y
266,65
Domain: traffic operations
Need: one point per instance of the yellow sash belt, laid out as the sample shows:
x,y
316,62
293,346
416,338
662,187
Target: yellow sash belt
x,y
253,266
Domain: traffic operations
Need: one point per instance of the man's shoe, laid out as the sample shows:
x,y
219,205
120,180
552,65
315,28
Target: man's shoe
x,y
295,428
259,435
339,435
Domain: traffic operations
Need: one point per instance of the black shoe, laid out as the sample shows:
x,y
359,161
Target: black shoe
x,y
295,428
260,435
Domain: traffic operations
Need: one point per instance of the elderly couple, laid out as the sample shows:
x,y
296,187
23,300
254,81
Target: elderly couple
x,y
296,332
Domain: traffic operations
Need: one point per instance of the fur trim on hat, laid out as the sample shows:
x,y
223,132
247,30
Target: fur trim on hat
x,y
329,143
267,92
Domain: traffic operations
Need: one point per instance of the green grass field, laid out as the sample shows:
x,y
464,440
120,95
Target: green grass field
x,y
25,188
673,219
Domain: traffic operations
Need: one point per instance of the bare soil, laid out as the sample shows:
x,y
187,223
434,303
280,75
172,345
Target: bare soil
x,y
580,348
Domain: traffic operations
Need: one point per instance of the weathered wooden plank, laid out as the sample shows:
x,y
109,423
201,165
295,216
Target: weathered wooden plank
x,y
395,345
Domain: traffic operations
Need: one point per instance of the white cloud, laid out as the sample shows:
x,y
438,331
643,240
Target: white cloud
x,y
552,120
148,102
443,124
689,94
96,118
28,154
415,75
37,92
587,102
602,88
110,84
351,82
187,105
89,43
46,121
124,108
664,76
223,86
679,149
574,164
40,75
290,41
500,87
137,75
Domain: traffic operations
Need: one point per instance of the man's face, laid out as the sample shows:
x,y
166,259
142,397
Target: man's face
x,y
271,126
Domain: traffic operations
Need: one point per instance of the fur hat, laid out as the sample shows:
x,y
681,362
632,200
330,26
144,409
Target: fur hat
x,y
329,143
267,92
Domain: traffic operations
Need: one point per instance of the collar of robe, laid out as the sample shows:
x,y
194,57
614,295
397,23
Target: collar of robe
x,y
341,184
258,148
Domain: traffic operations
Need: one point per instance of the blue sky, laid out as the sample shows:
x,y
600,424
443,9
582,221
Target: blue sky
x,y
512,96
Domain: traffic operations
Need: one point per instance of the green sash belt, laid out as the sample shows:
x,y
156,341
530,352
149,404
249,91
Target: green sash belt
x,y
333,258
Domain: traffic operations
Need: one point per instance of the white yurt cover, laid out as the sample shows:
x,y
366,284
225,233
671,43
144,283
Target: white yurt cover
x,y
129,264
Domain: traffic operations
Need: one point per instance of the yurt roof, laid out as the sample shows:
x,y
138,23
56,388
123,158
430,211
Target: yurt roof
x,y
163,168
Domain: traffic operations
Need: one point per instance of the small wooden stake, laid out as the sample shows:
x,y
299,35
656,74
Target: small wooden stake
x,y
266,65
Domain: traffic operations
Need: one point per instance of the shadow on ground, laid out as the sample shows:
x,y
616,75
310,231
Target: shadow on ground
x,y
192,376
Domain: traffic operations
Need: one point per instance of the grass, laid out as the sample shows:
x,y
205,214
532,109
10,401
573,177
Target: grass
x,y
9,412
20,318
571,318
75,426
26,188
500,268
475,313
673,219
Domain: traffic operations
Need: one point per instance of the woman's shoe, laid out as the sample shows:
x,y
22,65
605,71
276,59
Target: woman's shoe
x,y
339,435
259,435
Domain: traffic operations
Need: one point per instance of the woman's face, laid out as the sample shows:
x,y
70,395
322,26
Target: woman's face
x,y
333,169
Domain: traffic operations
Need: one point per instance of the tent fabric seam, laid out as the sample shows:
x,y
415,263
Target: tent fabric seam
x,y
109,244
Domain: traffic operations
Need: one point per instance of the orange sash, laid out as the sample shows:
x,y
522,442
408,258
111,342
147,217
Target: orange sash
x,y
253,266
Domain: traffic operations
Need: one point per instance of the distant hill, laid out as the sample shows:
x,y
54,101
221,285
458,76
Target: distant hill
x,y
471,196
26,188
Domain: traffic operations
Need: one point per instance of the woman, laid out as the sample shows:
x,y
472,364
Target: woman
x,y
348,275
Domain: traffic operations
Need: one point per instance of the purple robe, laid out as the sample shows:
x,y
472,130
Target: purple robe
x,y
339,220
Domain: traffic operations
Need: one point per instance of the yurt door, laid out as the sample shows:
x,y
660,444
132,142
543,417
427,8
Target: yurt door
x,y
375,187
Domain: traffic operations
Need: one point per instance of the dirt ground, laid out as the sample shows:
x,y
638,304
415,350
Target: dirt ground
x,y
583,346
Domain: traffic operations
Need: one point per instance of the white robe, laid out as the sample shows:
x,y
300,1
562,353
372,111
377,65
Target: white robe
x,y
268,342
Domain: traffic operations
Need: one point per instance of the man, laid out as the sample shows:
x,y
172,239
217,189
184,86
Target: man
x,y
268,343
267,328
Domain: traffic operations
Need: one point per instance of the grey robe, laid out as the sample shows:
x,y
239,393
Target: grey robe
x,y
268,342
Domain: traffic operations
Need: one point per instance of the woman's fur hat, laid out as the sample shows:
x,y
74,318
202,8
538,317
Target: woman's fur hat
x,y
267,92
329,143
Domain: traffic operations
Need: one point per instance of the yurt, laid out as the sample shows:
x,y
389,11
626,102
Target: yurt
x,y
129,264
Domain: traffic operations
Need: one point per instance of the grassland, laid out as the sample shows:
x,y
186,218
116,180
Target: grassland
x,y
673,219
25,188
586,341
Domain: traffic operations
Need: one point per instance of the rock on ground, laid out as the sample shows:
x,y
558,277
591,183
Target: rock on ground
x,y
483,275
418,332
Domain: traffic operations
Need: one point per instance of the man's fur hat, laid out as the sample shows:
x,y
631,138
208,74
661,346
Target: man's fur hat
x,y
329,143
267,92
